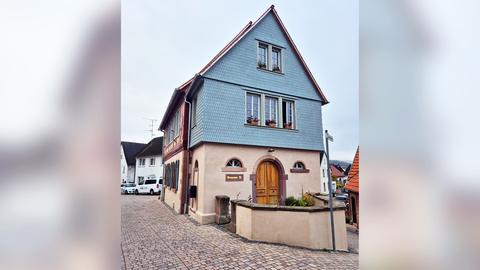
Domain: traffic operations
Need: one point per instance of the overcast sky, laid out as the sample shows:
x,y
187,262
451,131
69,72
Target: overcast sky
x,y
164,43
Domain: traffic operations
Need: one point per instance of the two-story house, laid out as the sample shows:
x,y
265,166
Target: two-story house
x,y
248,125
149,162
128,150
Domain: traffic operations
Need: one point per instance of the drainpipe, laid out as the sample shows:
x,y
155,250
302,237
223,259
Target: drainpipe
x,y
187,186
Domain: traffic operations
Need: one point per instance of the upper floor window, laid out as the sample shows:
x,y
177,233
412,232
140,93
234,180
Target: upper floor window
x,y
271,109
269,57
262,56
253,109
234,163
141,162
288,114
276,59
173,128
152,162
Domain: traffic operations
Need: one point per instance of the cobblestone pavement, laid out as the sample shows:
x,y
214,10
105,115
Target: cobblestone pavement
x,y
153,237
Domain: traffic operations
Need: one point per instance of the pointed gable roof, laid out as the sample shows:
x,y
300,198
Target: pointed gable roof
x,y
335,171
153,148
245,30
353,183
130,150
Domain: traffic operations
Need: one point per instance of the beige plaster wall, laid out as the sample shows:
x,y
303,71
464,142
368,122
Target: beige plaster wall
x,y
172,198
212,158
303,229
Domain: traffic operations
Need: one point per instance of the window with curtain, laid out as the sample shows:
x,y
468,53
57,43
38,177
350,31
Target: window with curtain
x,y
262,55
253,108
276,60
288,113
271,111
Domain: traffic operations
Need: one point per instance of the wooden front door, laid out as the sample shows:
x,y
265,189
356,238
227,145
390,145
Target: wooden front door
x,y
267,184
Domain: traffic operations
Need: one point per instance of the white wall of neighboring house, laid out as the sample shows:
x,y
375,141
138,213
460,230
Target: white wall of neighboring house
x,y
149,171
324,175
123,167
127,173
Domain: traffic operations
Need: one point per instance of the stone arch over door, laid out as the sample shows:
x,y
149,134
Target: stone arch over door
x,y
281,173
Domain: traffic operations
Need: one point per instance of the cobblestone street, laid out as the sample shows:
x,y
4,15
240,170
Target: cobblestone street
x,y
153,237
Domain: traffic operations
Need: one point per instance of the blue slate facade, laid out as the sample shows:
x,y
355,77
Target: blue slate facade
x,y
220,109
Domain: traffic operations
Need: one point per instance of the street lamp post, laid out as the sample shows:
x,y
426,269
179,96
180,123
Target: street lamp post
x,y
329,137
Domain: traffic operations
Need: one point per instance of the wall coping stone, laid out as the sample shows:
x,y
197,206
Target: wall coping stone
x,y
267,207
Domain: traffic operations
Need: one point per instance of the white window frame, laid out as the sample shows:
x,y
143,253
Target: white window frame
x,y
267,46
234,163
152,159
271,98
293,116
302,167
247,113
269,56
279,113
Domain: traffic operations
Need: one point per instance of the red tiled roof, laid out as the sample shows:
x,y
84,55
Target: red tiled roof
x,y
353,183
336,172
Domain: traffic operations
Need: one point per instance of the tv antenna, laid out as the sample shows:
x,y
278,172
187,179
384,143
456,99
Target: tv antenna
x,y
152,125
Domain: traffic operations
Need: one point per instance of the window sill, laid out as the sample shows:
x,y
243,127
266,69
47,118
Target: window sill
x,y
271,71
227,169
299,170
273,128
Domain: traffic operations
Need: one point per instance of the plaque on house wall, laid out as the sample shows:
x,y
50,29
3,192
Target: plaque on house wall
x,y
233,177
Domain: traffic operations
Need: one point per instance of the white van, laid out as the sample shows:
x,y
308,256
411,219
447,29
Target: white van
x,y
149,186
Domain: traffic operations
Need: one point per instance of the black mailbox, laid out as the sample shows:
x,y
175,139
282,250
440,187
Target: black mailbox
x,y
193,191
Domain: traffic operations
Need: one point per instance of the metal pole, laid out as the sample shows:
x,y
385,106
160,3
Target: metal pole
x,y
330,195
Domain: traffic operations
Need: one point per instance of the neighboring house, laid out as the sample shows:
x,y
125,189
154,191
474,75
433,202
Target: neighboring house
x,y
353,188
128,150
248,125
149,163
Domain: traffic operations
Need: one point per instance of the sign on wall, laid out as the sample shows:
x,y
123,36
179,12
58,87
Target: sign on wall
x,y
233,177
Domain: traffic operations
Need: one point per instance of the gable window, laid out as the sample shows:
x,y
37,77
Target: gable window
x,y
288,114
253,109
262,56
152,162
276,59
234,163
271,105
269,57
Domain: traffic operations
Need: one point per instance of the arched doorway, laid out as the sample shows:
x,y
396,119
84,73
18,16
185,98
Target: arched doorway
x,y
267,185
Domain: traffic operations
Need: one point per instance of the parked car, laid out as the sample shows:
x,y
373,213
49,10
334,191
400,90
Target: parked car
x,y
129,188
150,186
342,197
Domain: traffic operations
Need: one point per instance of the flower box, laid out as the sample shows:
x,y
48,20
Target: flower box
x,y
253,121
